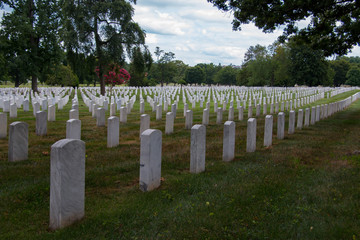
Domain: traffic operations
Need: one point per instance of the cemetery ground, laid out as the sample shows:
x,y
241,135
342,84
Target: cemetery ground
x,y
306,186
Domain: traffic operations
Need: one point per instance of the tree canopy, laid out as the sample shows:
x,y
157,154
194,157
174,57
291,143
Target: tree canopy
x,y
103,28
334,26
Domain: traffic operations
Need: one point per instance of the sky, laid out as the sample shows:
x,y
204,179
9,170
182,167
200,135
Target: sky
x,y
197,32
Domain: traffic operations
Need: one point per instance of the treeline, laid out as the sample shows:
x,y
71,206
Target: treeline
x,y
282,65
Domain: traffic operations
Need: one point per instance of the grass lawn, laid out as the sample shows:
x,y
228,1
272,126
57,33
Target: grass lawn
x,y
306,186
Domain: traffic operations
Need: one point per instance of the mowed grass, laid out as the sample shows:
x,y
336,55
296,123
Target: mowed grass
x,y
306,186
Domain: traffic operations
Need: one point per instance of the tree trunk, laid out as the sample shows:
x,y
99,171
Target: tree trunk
x,y
34,83
17,81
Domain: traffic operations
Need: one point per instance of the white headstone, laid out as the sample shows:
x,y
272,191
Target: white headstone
x,y
73,129
18,141
113,132
229,141
150,160
67,182
198,148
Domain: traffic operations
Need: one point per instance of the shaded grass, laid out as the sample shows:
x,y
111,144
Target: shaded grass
x,y
304,187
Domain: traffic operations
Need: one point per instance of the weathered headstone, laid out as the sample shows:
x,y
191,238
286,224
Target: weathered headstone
x,y
268,130
150,160
307,117
67,183
229,141
112,109
173,109
51,113
189,119
13,111
250,111
198,148
36,108
158,112
113,132
73,129
169,125
291,122
205,119
3,125
123,115
144,122
6,107
313,116
231,114
241,113
73,114
26,105
18,141
300,119
142,107
100,118
251,135
281,126
219,116
258,108
41,123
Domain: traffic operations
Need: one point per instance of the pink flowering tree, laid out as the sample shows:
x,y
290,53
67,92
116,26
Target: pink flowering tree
x,y
115,75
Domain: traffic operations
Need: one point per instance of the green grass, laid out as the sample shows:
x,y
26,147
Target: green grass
x,y
306,186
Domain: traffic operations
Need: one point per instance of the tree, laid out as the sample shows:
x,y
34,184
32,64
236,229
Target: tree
x,y
103,28
340,67
62,76
141,61
31,29
210,71
180,70
164,67
353,76
255,53
195,75
281,64
259,66
334,25
308,67
226,76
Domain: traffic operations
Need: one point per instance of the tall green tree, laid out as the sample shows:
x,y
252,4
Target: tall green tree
x,y
281,64
62,76
340,67
259,66
104,28
195,75
210,71
226,76
308,67
334,26
164,66
31,29
353,76
141,62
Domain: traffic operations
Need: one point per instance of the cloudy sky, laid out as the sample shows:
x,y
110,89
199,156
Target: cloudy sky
x,y
197,32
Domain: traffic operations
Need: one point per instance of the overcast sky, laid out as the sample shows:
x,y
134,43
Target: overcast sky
x,y
197,32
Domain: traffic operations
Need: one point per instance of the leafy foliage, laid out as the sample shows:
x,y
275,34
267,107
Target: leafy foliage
x,y
226,76
353,76
32,41
103,28
334,26
195,75
62,76
141,61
